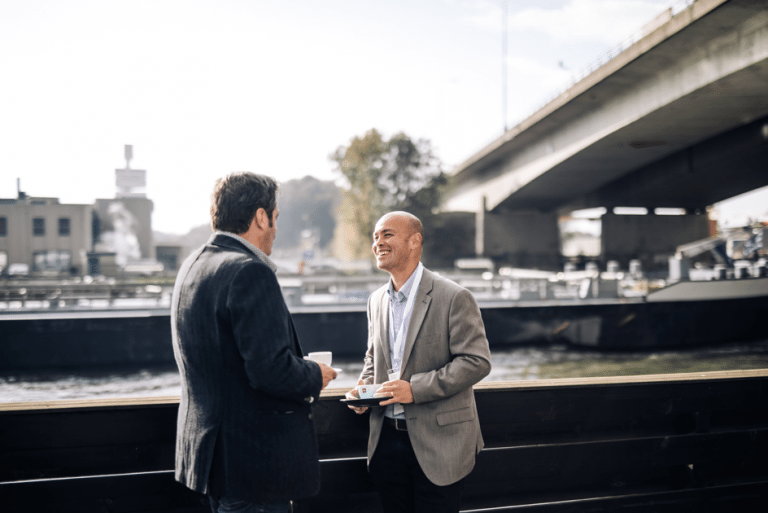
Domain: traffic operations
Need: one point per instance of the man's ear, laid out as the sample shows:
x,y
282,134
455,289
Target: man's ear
x,y
262,219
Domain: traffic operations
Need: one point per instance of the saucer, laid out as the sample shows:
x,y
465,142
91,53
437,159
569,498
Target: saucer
x,y
371,402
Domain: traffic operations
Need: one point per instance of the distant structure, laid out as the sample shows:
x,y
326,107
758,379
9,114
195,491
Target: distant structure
x,y
124,223
131,183
668,124
113,236
40,235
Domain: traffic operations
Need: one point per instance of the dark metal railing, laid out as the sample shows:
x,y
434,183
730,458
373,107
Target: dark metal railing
x,y
692,442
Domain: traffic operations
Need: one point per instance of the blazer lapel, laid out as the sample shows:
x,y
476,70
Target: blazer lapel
x,y
420,307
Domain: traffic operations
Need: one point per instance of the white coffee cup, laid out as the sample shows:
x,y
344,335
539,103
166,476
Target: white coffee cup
x,y
367,391
325,357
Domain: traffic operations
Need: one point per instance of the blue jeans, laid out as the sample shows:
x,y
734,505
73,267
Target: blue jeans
x,y
230,505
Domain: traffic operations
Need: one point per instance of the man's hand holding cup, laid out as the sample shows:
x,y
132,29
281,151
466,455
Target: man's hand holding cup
x,y
323,359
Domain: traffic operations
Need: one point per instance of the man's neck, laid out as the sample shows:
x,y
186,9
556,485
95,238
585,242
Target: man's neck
x,y
399,279
254,238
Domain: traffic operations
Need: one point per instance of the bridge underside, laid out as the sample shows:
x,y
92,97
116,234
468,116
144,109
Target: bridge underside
x,y
706,173
678,120
693,178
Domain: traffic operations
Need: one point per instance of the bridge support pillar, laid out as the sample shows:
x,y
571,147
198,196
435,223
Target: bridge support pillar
x,y
528,240
652,239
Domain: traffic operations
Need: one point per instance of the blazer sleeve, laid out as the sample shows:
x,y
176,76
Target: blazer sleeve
x,y
470,355
265,338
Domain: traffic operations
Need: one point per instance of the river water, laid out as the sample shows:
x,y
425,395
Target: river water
x,y
521,363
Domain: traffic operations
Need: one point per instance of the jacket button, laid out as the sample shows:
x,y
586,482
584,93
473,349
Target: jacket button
x,y
310,416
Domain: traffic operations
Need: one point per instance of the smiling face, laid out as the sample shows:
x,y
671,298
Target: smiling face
x,y
396,245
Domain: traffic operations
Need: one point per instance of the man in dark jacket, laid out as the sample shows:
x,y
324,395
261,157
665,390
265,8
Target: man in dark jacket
x,y
245,431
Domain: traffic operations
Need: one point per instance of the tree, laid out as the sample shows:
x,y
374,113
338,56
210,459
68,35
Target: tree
x,y
361,164
386,175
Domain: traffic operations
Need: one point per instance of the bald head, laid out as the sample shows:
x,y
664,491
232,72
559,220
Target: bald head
x,y
411,222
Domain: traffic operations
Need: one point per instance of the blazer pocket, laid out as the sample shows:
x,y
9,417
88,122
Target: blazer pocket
x,y
452,417
426,340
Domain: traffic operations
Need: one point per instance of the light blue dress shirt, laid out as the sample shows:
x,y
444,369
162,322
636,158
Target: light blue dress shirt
x,y
397,302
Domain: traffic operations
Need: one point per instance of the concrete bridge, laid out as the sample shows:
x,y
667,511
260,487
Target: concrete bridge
x,y
679,119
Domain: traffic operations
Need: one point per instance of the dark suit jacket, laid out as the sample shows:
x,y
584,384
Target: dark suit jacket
x,y
445,353
245,427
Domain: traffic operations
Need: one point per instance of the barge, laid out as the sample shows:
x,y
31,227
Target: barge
x,y
687,314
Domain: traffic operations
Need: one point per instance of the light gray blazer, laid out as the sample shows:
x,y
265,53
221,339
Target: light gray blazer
x,y
445,353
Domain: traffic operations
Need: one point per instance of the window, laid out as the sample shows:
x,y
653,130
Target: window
x,y
3,226
38,226
64,227
58,261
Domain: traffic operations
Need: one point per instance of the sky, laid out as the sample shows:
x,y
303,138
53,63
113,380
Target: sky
x,y
204,88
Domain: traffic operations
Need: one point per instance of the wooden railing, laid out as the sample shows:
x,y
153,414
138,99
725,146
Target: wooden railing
x,y
677,442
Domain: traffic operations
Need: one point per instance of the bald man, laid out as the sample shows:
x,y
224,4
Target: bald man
x,y
427,346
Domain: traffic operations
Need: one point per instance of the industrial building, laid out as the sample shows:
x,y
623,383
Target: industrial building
x,y
45,236
41,236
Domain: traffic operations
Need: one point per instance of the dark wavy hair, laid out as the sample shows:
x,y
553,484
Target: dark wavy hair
x,y
237,197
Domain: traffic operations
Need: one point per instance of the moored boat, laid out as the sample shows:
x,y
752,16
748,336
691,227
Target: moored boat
x,y
685,314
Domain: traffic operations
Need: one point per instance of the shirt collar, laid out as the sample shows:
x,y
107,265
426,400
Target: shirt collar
x,y
405,290
256,251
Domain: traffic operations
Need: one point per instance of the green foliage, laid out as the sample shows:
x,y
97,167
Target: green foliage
x,y
362,164
386,175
